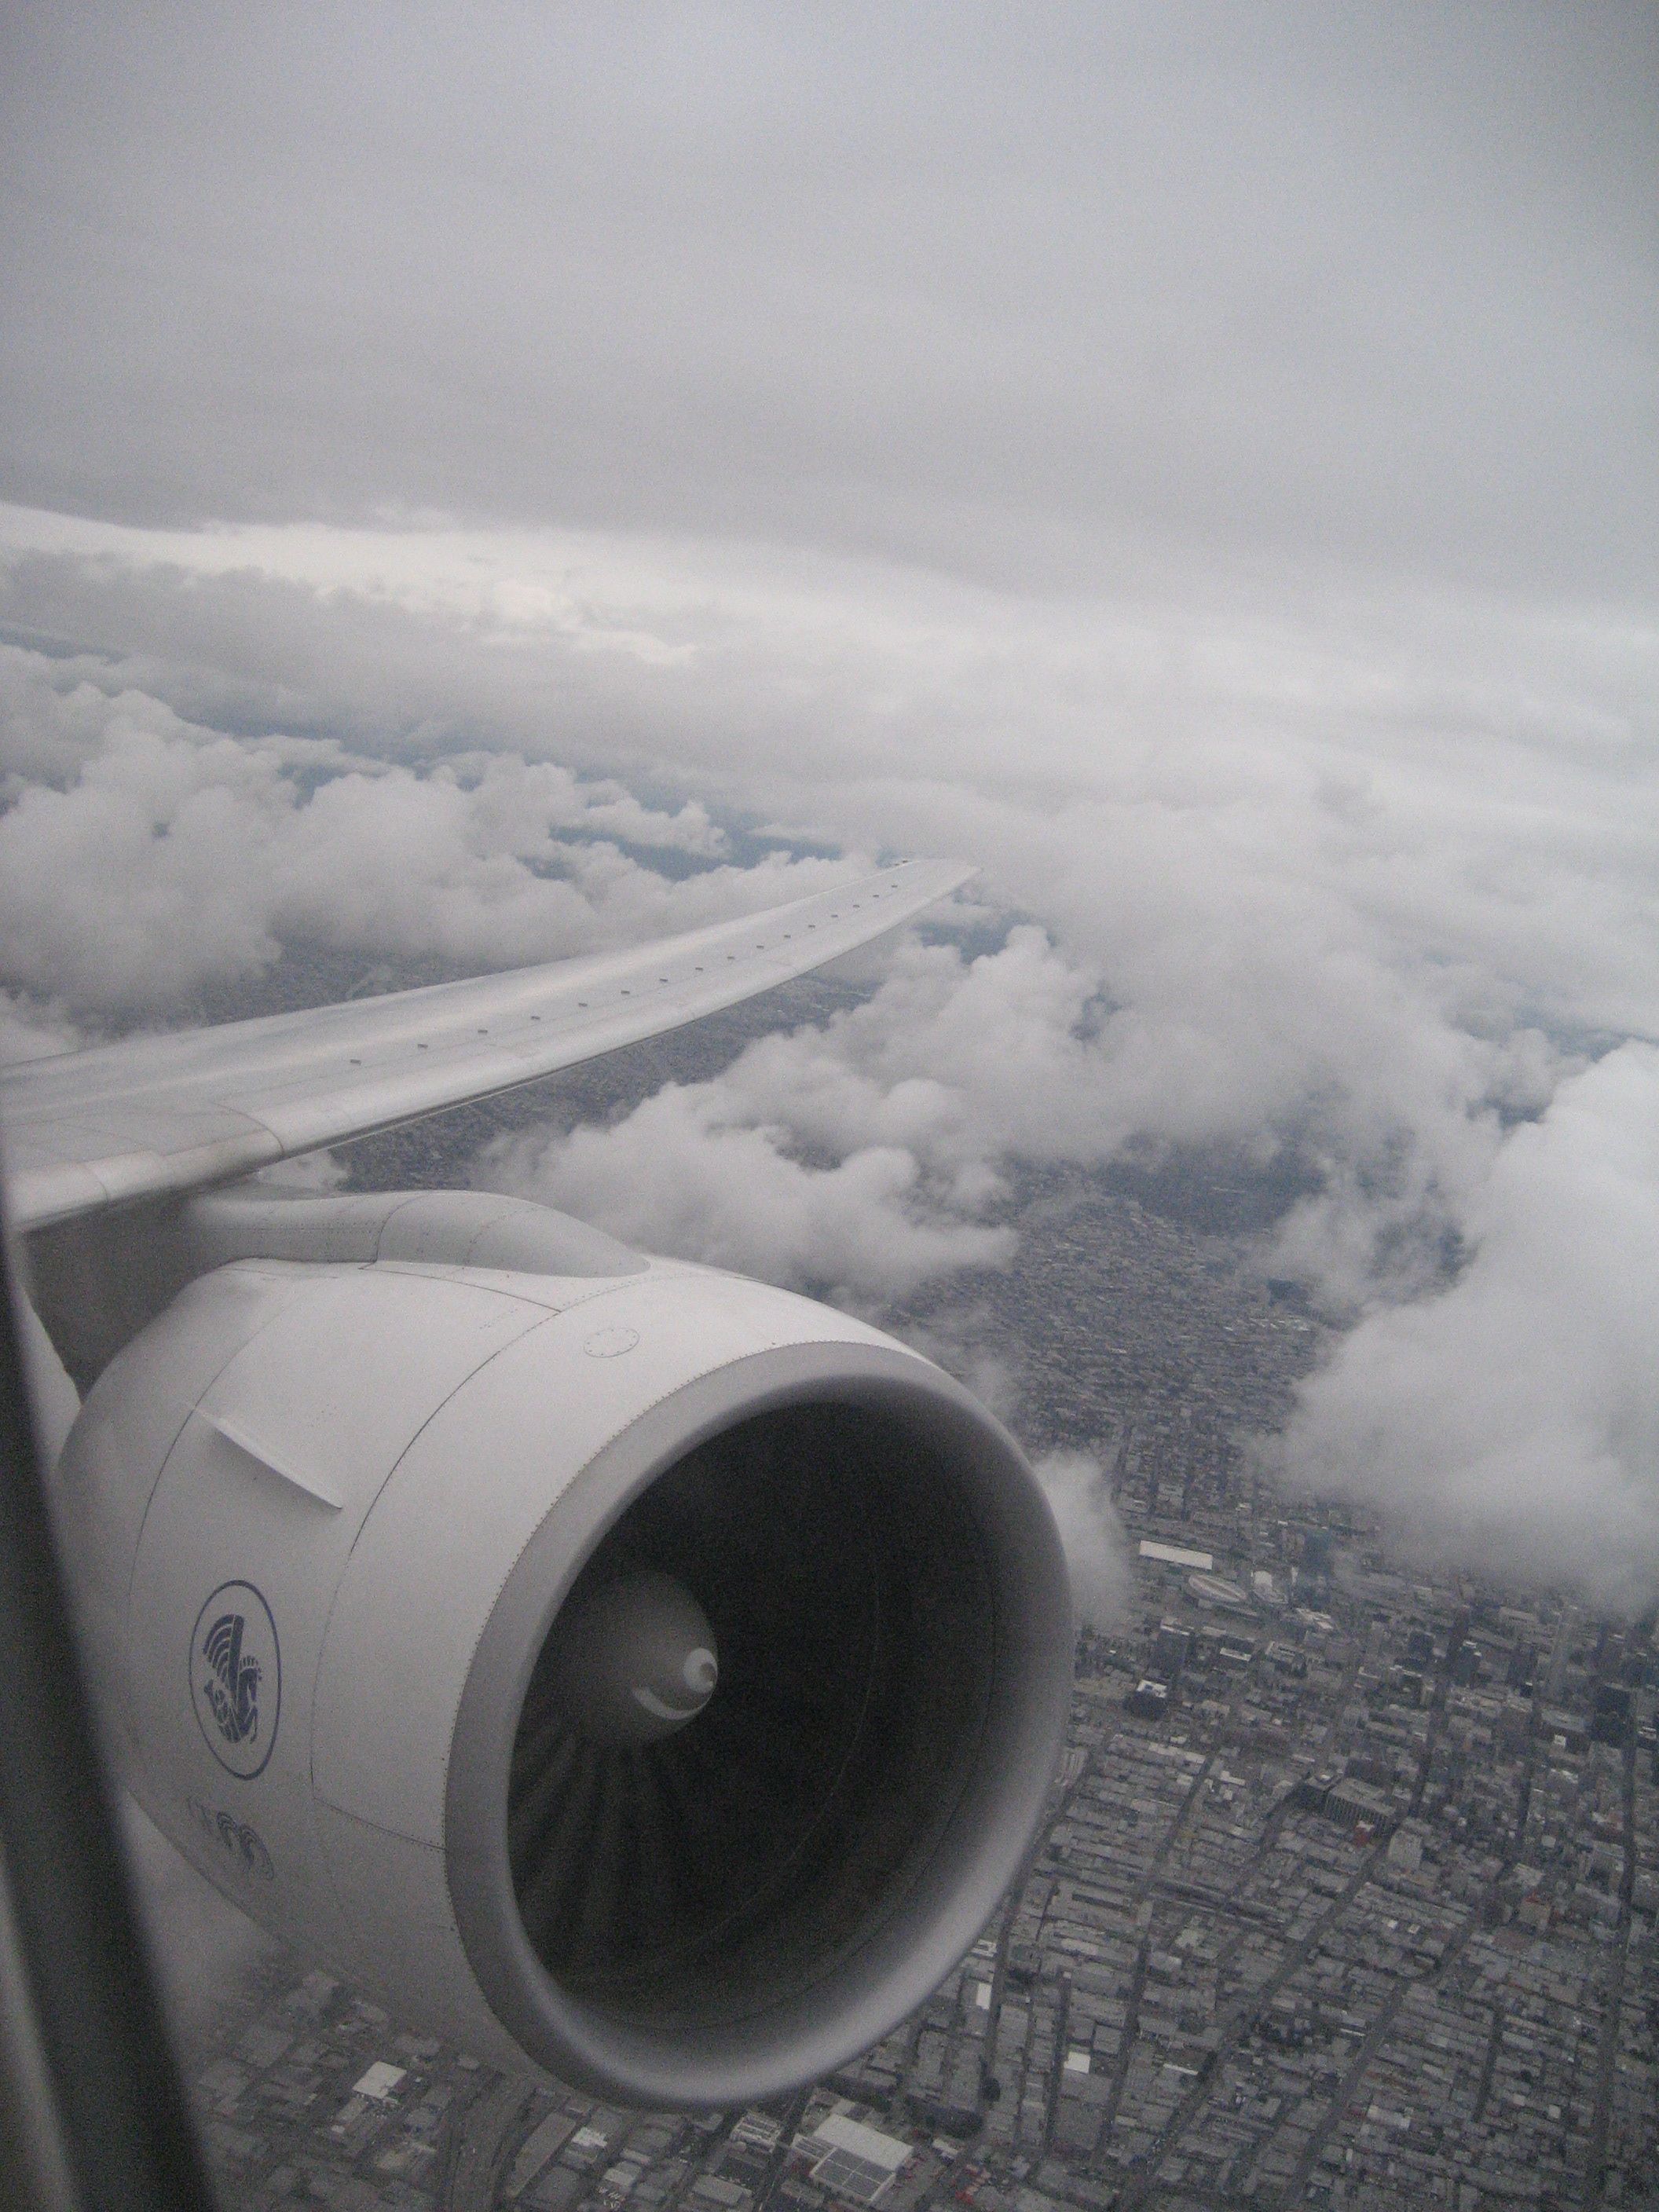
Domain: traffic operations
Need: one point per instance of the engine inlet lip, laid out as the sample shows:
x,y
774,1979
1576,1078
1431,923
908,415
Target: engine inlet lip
x,y
983,1841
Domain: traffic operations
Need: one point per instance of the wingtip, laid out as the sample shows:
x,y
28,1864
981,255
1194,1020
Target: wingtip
x,y
946,875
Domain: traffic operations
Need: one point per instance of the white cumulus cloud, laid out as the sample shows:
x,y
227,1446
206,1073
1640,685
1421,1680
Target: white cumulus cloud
x,y
1096,1554
1513,1416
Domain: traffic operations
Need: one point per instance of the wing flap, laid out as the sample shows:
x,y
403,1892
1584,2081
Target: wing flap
x,y
162,1114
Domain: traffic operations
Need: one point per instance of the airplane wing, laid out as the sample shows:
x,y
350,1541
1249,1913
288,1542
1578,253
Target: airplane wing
x,y
84,1131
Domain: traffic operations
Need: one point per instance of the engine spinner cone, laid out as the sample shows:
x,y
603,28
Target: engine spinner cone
x,y
633,1661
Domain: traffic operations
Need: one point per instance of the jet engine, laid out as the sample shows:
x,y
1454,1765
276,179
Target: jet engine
x,y
635,1670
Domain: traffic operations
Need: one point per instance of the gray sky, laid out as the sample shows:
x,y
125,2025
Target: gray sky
x,y
462,474
1038,294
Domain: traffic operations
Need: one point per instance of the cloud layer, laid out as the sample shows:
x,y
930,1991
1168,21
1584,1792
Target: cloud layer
x,y
1275,901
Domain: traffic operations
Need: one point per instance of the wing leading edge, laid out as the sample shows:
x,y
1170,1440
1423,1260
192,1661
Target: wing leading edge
x,y
154,1115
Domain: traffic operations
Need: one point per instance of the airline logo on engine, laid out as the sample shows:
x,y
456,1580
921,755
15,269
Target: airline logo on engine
x,y
236,1678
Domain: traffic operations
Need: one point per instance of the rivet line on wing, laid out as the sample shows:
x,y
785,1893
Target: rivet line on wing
x,y
666,983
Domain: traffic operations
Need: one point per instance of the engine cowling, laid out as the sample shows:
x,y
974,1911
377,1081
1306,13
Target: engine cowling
x,y
339,1529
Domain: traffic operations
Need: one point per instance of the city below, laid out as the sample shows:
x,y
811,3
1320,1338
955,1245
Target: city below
x,y
1347,1894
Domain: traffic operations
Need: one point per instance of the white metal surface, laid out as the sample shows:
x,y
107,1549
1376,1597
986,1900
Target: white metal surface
x,y
87,1130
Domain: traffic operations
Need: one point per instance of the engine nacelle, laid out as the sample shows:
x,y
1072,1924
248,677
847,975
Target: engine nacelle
x,y
338,1529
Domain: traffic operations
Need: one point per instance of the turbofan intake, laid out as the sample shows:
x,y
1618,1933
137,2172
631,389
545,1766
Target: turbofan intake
x,y
651,1676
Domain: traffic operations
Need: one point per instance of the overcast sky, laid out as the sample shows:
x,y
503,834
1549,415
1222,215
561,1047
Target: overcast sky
x,y
984,287
468,471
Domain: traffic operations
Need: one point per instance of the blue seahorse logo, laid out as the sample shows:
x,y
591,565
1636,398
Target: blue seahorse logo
x,y
232,1690
236,1678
